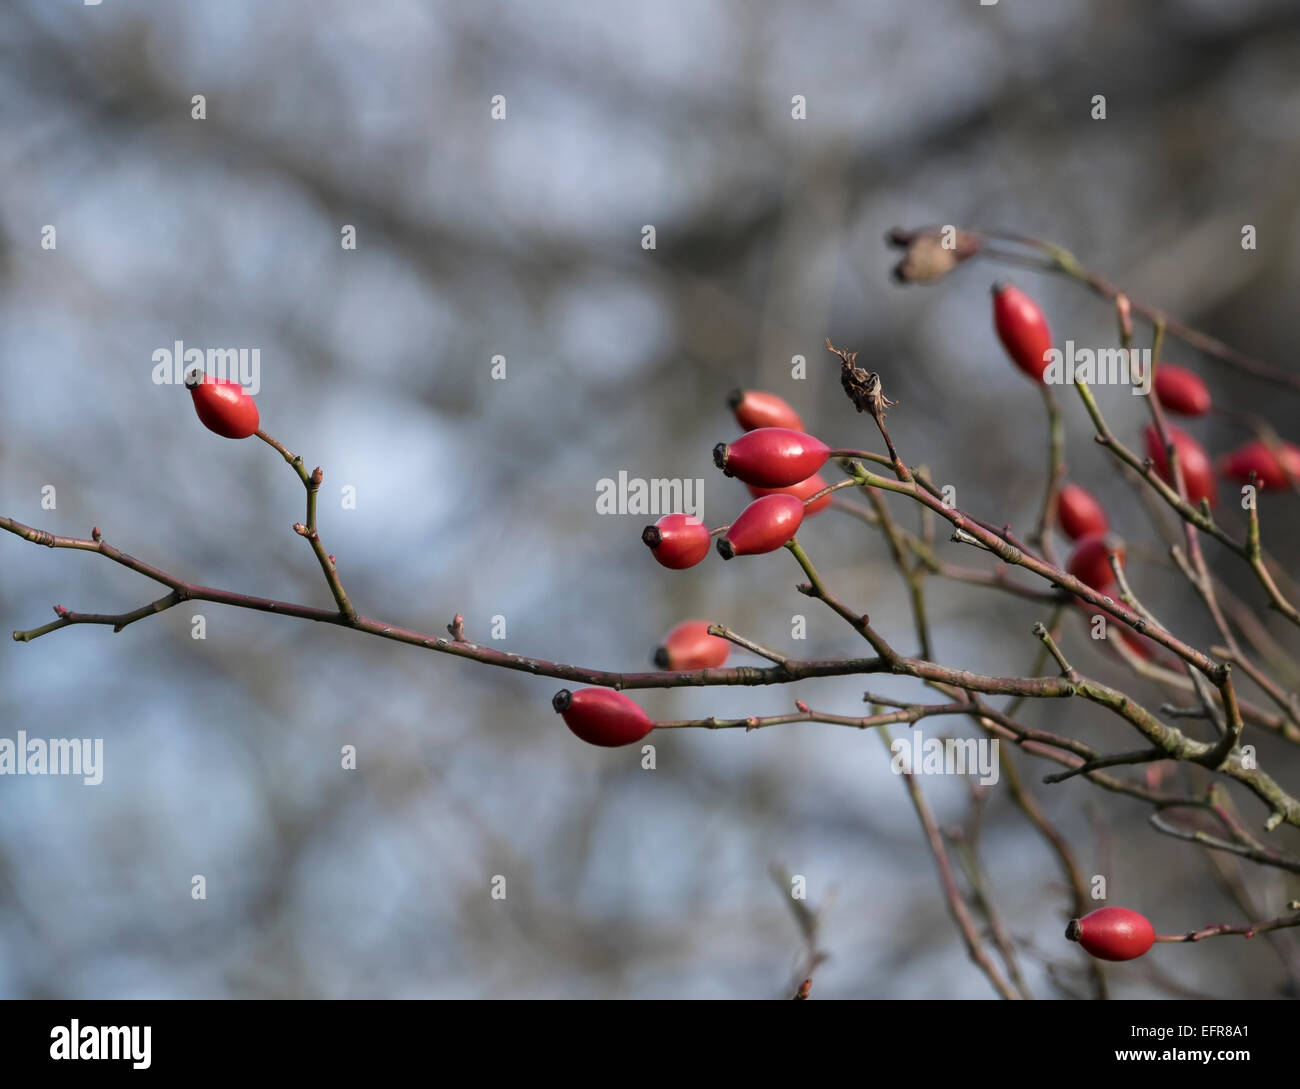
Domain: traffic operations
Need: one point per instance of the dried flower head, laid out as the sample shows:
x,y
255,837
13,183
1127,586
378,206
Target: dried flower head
x,y
931,254
862,386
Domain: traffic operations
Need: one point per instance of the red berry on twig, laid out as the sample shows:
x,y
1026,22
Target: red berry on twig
x,y
754,409
1079,513
1112,933
677,540
1090,562
763,526
1270,470
690,646
771,457
223,407
1198,474
804,490
1182,391
601,716
1022,328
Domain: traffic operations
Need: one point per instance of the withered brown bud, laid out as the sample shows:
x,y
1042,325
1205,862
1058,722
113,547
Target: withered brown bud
x,y
862,386
932,255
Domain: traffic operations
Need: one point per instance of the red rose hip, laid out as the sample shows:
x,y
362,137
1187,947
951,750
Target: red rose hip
x,y
677,541
690,646
771,457
1079,513
1269,469
1198,473
1090,562
601,716
223,407
804,490
1182,391
763,526
754,409
1112,933
1022,328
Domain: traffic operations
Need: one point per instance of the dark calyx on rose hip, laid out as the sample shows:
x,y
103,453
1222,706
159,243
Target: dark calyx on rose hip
x,y
771,457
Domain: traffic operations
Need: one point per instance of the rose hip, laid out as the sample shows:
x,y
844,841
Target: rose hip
x,y
754,409
771,457
1198,474
804,490
1079,513
677,541
1090,562
223,407
763,526
1270,470
1182,391
1022,328
1112,933
601,716
690,646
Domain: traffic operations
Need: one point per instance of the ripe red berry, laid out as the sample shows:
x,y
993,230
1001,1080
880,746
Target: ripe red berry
x,y
601,716
771,457
803,490
1198,474
1112,933
755,409
1182,391
677,540
224,407
1079,513
1090,562
1270,470
690,646
1022,328
763,526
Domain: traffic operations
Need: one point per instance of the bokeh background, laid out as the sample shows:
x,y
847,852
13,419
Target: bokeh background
x,y
522,238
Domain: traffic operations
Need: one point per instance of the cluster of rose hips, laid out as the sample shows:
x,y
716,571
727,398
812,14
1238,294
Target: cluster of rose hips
x,y
1024,332
779,463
